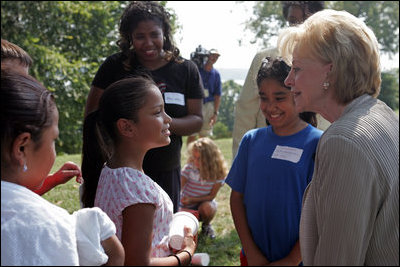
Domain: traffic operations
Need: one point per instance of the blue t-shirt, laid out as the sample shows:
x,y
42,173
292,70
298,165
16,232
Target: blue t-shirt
x,y
272,173
212,84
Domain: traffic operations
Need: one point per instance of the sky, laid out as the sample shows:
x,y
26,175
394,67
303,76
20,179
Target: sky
x,y
214,24
219,25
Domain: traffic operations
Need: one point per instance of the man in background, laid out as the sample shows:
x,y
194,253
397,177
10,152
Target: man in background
x,y
247,109
212,95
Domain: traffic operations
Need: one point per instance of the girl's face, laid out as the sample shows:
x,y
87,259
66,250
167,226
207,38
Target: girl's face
x,y
40,156
196,158
277,106
153,125
148,41
306,79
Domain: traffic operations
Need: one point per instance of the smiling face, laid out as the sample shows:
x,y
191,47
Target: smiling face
x,y
148,41
306,79
153,123
277,106
295,15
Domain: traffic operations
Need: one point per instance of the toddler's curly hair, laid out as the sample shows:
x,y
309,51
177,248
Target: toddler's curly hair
x,y
212,162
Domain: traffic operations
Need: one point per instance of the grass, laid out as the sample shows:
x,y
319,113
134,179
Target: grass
x,y
223,250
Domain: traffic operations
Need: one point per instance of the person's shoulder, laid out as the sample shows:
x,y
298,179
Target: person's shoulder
x,y
272,52
116,57
253,133
315,131
215,71
182,64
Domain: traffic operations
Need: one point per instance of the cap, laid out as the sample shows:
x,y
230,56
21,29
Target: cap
x,y
214,51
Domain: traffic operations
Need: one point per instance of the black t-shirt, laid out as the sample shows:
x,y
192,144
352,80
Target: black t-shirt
x,y
177,82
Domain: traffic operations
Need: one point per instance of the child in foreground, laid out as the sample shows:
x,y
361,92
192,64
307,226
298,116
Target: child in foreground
x,y
131,120
273,167
201,179
16,59
33,230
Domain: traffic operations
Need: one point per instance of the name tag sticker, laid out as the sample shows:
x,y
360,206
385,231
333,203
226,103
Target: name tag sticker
x,y
206,92
287,153
174,98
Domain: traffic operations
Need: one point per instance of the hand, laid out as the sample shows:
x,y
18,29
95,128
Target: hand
x,y
213,120
68,171
189,241
185,201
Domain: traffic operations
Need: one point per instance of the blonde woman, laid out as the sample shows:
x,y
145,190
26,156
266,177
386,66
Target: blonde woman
x,y
350,213
201,179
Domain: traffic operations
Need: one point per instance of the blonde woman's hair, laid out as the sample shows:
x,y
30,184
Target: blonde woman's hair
x,y
212,162
339,38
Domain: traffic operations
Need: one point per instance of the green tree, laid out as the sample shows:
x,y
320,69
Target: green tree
x,y
381,16
67,40
390,89
230,93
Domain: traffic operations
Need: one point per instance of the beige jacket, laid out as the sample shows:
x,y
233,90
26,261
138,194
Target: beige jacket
x,y
350,212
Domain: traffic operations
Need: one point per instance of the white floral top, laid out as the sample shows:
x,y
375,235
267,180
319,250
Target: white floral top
x,y
122,187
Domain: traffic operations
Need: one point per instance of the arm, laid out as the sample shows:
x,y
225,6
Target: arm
x,y
137,232
254,255
217,101
93,98
347,200
183,181
292,259
192,122
114,250
209,197
63,175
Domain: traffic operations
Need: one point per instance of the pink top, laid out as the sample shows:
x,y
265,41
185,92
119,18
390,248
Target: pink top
x,y
122,187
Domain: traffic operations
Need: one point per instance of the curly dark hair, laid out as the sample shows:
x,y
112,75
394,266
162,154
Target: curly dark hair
x,y
313,6
277,69
136,12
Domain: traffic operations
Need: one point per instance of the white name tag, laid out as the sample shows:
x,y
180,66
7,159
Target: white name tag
x,y
206,92
174,98
287,153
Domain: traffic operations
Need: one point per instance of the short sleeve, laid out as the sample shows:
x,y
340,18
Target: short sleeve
x,y
92,227
236,178
195,85
109,71
136,188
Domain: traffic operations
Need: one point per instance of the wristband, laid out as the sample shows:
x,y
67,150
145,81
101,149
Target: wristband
x,y
179,261
190,255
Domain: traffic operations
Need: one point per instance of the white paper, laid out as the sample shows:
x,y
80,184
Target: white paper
x,y
174,98
287,153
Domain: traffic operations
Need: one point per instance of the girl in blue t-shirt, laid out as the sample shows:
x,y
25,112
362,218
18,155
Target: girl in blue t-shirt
x,y
272,169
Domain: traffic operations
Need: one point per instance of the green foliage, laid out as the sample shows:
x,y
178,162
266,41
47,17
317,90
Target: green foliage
x,y
381,16
390,90
230,93
220,130
67,40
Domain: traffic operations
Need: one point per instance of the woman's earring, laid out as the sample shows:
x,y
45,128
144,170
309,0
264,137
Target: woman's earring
x,y
325,85
24,168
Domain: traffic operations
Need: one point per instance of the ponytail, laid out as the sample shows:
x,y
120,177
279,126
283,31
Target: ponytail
x,y
93,159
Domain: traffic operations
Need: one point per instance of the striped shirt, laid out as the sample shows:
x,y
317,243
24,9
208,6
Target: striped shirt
x,y
195,187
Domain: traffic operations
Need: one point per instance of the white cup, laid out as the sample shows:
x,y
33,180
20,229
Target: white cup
x,y
176,231
201,259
